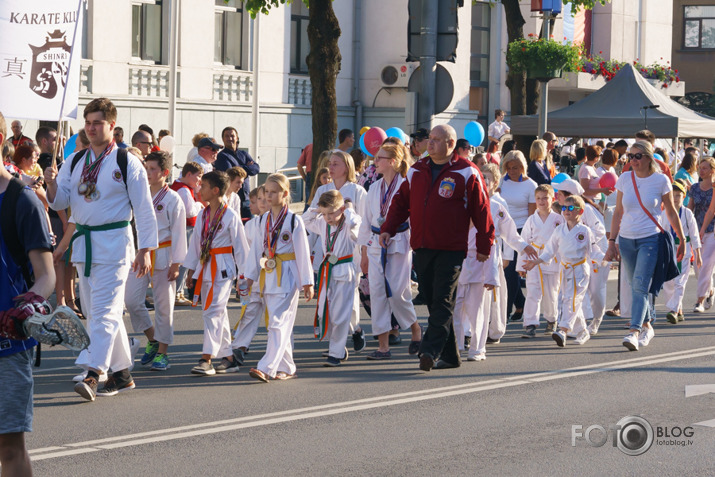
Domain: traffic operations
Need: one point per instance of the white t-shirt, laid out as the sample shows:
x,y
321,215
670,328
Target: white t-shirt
x,y
612,199
635,224
518,196
498,129
589,172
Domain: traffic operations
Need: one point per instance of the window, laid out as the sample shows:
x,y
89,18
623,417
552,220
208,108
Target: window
x,y
300,46
147,30
228,31
85,34
699,28
479,59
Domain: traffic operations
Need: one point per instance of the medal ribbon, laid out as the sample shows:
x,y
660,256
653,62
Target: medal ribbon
x,y
90,171
209,231
330,244
160,195
387,194
270,239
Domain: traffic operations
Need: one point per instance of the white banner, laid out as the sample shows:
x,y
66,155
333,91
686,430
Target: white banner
x,y
40,49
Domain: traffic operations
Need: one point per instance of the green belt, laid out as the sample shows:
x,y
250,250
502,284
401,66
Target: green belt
x,y
320,324
677,240
87,230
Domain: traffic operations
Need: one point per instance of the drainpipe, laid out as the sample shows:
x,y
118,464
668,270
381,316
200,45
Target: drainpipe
x,y
639,33
357,13
255,116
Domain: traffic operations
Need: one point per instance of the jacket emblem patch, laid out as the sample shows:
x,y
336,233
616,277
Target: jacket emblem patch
x,y
446,187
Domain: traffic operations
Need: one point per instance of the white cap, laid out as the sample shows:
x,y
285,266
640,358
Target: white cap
x,y
569,185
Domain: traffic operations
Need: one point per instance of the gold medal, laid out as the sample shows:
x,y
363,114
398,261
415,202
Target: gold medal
x,y
94,195
82,189
270,264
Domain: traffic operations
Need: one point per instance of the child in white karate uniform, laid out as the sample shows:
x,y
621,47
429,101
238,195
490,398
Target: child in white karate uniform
x,y
542,283
338,229
236,176
165,262
217,246
573,244
280,263
388,270
478,280
252,313
674,289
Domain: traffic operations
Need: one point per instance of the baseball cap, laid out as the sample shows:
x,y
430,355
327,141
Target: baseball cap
x,y
570,186
420,134
209,142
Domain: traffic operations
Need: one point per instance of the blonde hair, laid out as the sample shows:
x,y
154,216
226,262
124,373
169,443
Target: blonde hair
x,y
282,182
316,182
576,200
331,199
198,137
493,169
399,153
323,158
646,149
511,156
349,164
538,150
546,188
709,160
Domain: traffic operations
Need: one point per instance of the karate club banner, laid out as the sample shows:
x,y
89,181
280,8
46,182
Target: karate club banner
x,y
40,49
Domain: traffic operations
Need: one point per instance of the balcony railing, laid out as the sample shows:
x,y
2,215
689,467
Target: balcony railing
x,y
233,87
299,90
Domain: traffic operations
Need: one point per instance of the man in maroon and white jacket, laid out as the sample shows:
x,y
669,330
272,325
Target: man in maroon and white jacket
x,y
442,193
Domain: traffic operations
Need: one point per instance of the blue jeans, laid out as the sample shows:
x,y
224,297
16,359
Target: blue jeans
x,y
638,257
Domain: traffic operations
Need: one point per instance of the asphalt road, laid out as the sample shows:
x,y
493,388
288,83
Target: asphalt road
x,y
513,414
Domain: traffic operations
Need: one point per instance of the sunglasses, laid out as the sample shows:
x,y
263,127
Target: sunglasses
x,y
637,155
570,208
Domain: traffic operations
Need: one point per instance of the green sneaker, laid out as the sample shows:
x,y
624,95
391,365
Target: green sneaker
x,y
160,363
681,317
672,317
150,352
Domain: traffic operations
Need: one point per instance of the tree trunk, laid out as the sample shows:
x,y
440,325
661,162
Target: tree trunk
x,y
323,66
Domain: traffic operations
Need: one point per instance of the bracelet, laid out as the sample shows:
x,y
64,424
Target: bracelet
x,y
612,240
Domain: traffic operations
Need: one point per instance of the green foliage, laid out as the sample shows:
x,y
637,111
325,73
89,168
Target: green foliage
x,y
608,69
254,7
533,52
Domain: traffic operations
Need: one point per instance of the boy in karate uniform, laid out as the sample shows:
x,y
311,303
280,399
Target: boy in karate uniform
x,y
542,283
338,229
217,246
574,245
674,289
236,176
102,200
165,262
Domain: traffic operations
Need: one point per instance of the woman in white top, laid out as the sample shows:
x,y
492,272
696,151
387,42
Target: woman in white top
x,y
518,192
638,235
589,178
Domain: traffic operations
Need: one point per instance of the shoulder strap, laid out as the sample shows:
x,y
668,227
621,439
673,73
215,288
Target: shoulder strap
x,y
122,163
635,188
76,159
8,222
292,223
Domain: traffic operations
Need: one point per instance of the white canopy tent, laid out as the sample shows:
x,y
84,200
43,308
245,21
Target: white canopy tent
x,y
617,110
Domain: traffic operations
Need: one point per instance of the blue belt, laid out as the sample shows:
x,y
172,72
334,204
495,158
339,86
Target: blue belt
x,y
383,254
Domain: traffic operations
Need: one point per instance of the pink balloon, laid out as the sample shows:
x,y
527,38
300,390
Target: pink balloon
x,y
374,139
608,180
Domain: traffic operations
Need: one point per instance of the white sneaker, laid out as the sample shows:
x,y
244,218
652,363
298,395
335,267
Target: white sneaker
x,y
582,337
477,357
645,336
80,377
593,327
134,345
709,300
631,341
699,308
560,338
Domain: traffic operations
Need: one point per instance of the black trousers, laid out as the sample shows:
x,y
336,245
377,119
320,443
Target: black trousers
x,y
514,295
437,275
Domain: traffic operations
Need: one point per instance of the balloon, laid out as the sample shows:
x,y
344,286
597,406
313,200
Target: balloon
x,y
658,156
167,144
608,180
364,130
559,178
474,133
396,132
362,146
70,146
374,139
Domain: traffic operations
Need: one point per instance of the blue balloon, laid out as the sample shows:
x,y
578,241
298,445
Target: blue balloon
x,y
559,178
474,133
658,156
362,146
70,146
398,133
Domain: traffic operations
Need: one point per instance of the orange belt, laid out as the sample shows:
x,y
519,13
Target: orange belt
x,y
199,281
152,254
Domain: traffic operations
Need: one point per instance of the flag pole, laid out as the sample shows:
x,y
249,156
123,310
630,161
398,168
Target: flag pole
x,y
64,91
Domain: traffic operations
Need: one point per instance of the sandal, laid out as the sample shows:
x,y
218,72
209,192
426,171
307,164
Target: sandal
x,y
258,374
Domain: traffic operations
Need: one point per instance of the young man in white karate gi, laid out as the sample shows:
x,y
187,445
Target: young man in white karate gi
x,y
165,262
102,200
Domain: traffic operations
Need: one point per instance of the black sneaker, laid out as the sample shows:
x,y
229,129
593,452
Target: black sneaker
x,y
114,386
467,341
332,362
516,316
394,340
239,356
550,327
529,332
226,366
491,341
359,340
87,388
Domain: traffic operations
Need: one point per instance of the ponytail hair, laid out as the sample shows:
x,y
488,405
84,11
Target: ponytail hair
x,y
400,154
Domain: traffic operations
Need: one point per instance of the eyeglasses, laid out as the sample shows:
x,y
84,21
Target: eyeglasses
x,y
149,143
637,156
570,208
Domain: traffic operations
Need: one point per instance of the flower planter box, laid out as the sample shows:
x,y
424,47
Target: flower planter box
x,y
544,73
590,82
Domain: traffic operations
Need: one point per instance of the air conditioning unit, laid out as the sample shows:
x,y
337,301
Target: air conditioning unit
x,y
396,75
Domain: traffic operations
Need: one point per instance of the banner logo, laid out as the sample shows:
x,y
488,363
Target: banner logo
x,y
49,64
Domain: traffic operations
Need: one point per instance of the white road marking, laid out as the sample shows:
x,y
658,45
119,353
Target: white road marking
x,y
260,420
698,389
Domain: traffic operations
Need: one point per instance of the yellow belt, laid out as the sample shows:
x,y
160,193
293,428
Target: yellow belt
x,y
152,254
541,274
572,266
280,258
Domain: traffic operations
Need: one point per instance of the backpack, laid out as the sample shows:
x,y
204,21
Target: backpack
x,y
121,162
8,223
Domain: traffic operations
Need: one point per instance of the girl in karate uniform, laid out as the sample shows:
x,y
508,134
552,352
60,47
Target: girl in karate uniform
x,y
337,229
388,270
573,243
280,262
